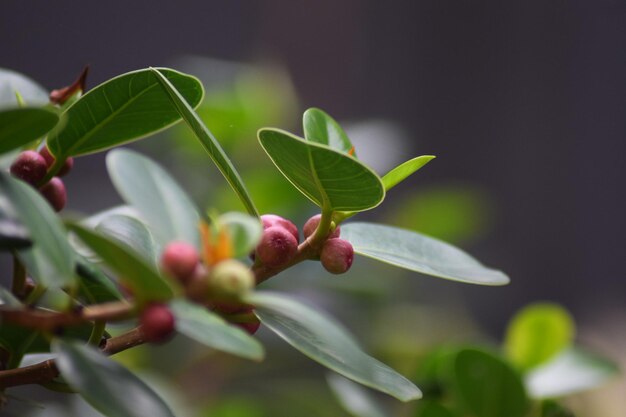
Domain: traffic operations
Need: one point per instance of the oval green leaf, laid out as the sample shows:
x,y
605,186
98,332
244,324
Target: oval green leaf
x,y
142,278
13,83
244,232
488,386
203,326
121,110
132,233
573,371
416,252
537,334
432,409
13,234
322,339
51,259
94,285
329,178
353,398
319,127
19,127
106,385
208,141
164,205
404,170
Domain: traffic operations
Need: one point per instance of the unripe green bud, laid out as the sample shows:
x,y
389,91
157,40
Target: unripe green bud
x,y
157,323
277,246
311,225
180,259
30,167
230,279
271,220
337,256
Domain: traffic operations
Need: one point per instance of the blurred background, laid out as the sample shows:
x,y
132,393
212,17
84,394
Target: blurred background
x,y
523,103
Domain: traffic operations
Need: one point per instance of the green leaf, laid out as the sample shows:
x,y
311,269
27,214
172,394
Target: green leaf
x,y
121,110
13,234
244,232
353,398
319,127
132,233
7,299
94,285
573,371
322,339
12,83
432,409
329,178
203,326
208,141
138,274
488,386
19,127
416,252
50,260
537,334
404,170
551,408
164,205
105,384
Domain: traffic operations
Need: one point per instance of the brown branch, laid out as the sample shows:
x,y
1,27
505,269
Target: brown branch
x,y
46,371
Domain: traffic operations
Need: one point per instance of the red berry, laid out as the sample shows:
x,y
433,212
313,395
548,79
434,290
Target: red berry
x,y
30,167
271,220
311,225
276,247
67,166
157,323
337,255
54,192
180,259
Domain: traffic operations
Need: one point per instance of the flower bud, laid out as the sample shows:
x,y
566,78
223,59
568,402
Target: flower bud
x,y
67,165
271,220
230,279
30,167
54,191
276,247
311,225
179,260
157,323
337,255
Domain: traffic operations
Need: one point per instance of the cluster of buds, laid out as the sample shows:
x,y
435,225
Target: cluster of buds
x,y
337,254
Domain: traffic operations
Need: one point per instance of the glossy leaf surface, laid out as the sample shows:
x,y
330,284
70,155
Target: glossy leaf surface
x,y
19,127
132,233
12,82
572,371
206,327
416,252
106,385
133,270
208,141
322,339
404,170
488,386
538,333
94,285
121,110
50,260
164,205
354,398
13,234
329,178
319,127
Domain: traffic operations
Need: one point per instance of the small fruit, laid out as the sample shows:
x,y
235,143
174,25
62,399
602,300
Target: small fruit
x,y
311,225
337,256
180,259
54,191
271,220
245,319
276,247
30,167
67,165
230,279
157,323
196,285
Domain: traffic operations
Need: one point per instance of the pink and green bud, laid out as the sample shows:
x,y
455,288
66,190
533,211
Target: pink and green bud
x,y
230,279
311,226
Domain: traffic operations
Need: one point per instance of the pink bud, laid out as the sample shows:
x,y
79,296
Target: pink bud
x,y
157,323
30,167
276,247
54,191
311,225
337,255
180,259
271,220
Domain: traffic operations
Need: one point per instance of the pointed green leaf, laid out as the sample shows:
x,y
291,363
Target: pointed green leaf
x,y
488,386
354,398
404,170
329,178
13,234
572,371
132,233
429,408
322,339
13,83
537,334
203,326
164,205
321,128
94,285
142,278
121,110
208,141
416,252
7,299
244,232
19,127
50,260
106,385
